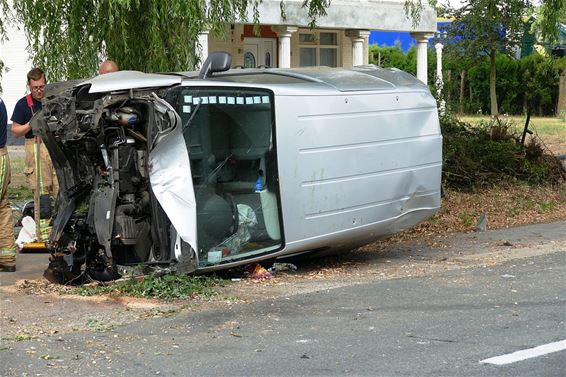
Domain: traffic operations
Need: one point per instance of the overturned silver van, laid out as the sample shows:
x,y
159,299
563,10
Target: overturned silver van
x,y
208,170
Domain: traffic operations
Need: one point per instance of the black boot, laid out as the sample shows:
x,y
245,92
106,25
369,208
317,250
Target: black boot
x,y
8,269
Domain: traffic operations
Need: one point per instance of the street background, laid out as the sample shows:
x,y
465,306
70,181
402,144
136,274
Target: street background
x,y
434,308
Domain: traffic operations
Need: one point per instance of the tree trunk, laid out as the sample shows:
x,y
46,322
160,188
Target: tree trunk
x,y
525,104
461,99
492,93
561,108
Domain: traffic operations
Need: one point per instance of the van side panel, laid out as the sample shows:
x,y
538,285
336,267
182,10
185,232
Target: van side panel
x,y
362,165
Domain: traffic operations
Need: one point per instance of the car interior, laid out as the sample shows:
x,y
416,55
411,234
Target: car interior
x,y
229,136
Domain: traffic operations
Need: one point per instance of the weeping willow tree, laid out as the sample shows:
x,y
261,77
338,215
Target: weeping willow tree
x,y
5,16
68,37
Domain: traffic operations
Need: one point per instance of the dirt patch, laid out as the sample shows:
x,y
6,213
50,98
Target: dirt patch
x,y
35,308
504,207
555,144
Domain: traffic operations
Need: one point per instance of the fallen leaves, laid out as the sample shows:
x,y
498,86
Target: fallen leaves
x,y
504,207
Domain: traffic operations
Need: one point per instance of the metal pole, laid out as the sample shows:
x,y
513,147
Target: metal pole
x,y
37,193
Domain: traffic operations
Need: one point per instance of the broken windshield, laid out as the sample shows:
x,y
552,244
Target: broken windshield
x,y
229,136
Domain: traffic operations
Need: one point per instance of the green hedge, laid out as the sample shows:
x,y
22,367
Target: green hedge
x,y
533,79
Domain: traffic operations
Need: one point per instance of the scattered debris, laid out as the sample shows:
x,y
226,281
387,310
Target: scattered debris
x,y
49,357
256,271
27,232
281,267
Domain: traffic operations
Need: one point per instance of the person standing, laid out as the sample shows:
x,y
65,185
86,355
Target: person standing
x,y
7,242
39,170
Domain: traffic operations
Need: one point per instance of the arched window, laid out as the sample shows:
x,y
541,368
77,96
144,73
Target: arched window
x,y
249,60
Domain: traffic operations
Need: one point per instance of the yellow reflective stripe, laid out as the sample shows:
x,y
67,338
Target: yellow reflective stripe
x,y
8,252
45,229
3,170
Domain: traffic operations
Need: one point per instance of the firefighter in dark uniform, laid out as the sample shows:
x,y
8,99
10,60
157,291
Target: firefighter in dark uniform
x,y
7,243
39,169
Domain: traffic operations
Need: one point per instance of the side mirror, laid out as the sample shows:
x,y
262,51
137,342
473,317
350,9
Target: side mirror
x,y
216,62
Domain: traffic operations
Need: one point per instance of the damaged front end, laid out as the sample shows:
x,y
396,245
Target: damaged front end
x,y
114,190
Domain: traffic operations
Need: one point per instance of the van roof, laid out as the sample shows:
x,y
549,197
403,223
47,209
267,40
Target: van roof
x,y
356,79
361,78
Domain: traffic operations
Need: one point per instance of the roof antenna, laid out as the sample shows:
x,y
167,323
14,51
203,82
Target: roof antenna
x,y
219,61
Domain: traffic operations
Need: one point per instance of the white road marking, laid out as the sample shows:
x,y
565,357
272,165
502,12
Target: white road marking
x,y
527,354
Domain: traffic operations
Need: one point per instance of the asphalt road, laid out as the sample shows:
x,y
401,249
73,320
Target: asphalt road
x,y
441,324
28,266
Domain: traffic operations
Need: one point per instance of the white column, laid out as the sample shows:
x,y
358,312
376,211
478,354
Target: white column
x,y
358,38
203,50
284,36
439,80
422,41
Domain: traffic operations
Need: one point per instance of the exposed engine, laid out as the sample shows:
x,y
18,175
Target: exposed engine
x,y
106,214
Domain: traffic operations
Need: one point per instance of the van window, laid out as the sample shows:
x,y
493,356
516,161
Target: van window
x,y
229,136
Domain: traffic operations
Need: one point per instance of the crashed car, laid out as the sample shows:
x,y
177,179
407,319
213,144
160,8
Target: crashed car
x,y
199,171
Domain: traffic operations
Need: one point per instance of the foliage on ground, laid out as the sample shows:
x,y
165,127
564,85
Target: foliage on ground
x,y
490,153
166,287
504,206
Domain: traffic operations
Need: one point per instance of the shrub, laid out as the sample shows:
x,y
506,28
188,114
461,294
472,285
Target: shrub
x,y
490,153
